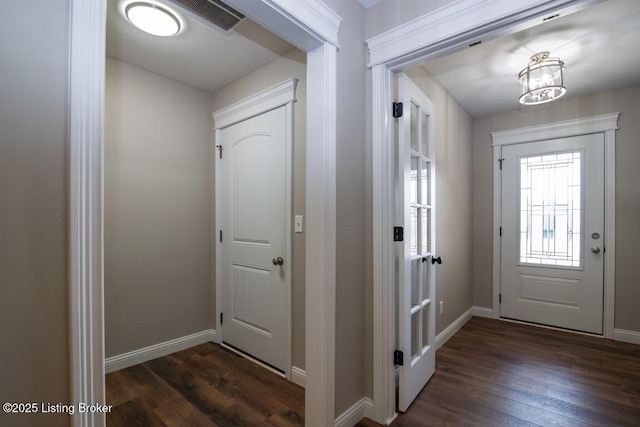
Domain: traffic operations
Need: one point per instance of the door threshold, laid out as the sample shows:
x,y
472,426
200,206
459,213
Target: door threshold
x,y
253,359
554,328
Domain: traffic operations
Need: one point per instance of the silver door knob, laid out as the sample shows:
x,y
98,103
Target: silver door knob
x,y
595,249
278,261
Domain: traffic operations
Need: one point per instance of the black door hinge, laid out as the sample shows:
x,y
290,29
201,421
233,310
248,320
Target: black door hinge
x,y
500,231
219,147
499,298
397,109
500,161
398,234
221,316
398,358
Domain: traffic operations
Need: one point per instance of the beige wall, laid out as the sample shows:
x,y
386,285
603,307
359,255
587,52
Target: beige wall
x,y
454,147
624,101
350,207
34,324
158,209
292,64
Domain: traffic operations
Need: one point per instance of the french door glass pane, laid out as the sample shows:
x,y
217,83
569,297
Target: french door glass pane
x,y
424,183
425,326
415,333
414,127
425,134
413,232
424,280
424,230
413,180
415,282
550,209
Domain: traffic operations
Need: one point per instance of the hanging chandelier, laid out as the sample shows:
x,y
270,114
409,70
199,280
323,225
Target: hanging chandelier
x,y
542,80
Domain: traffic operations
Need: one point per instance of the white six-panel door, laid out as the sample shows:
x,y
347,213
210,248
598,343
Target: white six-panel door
x,y
553,232
416,278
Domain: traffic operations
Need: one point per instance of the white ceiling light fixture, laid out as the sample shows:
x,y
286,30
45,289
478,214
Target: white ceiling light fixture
x,y
153,19
542,80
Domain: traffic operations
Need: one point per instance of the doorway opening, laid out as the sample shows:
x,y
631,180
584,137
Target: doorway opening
x,y
315,34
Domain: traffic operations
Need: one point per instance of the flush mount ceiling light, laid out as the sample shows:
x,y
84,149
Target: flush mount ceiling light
x,y
153,19
542,80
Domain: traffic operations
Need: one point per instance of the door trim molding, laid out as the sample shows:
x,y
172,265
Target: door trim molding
x,y
280,95
313,27
254,105
395,50
607,124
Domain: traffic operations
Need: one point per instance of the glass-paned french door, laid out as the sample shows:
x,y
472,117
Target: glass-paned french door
x,y
416,317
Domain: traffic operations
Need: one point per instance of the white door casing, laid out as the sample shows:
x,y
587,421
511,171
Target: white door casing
x,y
553,232
310,25
253,221
416,203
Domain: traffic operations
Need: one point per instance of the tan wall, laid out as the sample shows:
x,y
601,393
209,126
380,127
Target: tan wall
x,y
624,101
34,323
292,64
454,146
350,207
158,209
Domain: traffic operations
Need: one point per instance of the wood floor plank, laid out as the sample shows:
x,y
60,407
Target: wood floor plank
x,y
497,373
490,373
133,413
205,385
181,413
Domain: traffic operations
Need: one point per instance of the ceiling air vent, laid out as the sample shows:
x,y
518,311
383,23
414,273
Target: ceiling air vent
x,y
213,11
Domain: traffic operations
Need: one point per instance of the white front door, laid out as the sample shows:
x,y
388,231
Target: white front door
x,y
255,267
416,288
553,232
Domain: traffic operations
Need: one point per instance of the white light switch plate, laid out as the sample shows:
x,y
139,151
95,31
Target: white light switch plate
x,y
298,224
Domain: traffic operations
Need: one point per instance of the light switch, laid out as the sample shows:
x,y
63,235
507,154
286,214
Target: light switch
x,y
298,224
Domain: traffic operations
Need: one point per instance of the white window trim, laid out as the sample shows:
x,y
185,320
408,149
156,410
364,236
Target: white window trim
x,y
458,24
607,124
308,24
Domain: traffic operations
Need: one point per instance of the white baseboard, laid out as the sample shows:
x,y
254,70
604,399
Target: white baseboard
x,y
483,312
632,337
450,330
298,376
353,415
142,355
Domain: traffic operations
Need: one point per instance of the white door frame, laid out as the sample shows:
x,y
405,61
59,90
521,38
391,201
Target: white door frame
x,y
280,95
605,124
308,24
445,30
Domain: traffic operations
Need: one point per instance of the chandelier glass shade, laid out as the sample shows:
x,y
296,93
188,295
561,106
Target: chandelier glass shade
x,y
542,80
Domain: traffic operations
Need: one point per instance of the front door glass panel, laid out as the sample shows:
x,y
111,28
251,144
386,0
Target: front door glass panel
x,y
550,212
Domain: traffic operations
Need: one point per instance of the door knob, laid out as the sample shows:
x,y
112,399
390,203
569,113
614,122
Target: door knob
x,y
278,261
434,260
595,249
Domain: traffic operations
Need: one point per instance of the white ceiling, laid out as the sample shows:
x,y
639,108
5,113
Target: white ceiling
x,y
201,55
368,3
597,44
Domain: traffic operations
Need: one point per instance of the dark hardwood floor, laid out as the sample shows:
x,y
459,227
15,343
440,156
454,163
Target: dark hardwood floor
x,y
494,373
491,373
206,385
